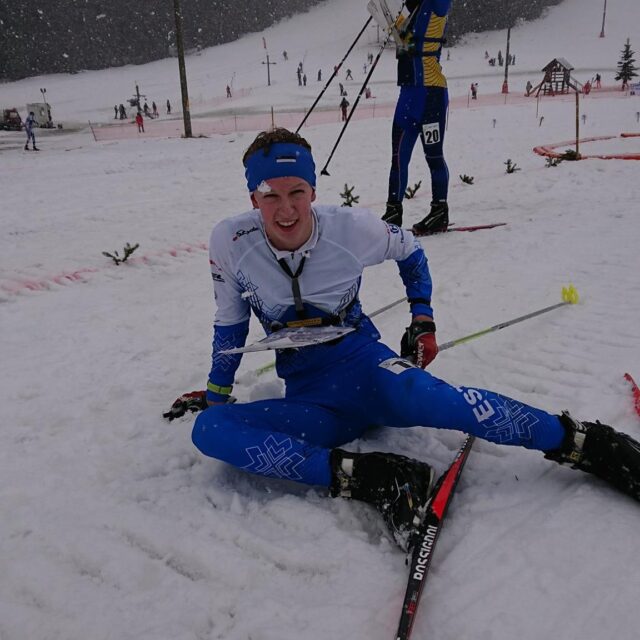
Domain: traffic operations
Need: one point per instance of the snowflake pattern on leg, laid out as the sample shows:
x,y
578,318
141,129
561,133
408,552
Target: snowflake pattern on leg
x,y
274,459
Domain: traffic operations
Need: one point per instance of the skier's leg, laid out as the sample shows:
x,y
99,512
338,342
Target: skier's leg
x,y
278,438
404,396
409,396
434,122
297,440
404,133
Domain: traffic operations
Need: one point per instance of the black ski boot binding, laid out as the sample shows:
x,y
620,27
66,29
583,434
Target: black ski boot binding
x,y
393,214
436,222
598,449
397,486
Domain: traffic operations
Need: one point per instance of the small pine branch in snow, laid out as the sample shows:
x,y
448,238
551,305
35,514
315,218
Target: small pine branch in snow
x,y
466,179
570,154
127,251
411,191
512,167
553,162
347,196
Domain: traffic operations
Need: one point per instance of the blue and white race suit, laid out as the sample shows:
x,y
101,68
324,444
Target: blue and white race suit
x,y
335,392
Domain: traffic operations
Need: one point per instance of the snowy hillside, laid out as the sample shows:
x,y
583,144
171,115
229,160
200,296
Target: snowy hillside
x,y
112,525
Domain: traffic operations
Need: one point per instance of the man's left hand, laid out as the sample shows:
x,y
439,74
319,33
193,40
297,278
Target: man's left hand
x,y
419,342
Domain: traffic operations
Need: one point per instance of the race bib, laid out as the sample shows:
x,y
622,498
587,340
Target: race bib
x,y
431,133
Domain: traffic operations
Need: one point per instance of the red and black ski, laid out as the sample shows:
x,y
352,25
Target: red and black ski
x,y
473,227
427,538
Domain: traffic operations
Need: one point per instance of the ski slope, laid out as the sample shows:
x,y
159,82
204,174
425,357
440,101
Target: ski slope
x,y
112,525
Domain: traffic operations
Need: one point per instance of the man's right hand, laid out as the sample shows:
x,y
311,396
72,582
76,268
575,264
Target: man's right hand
x,y
192,401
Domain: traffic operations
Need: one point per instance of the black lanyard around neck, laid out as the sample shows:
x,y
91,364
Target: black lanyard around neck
x,y
295,285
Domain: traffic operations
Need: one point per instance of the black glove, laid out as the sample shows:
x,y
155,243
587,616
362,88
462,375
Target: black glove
x,y
419,343
192,401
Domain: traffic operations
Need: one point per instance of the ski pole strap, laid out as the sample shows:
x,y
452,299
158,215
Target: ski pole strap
x,y
216,388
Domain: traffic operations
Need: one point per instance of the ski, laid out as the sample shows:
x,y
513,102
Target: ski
x,y
473,227
428,536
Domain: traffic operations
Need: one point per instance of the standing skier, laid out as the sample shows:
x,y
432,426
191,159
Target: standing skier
x,y
29,125
421,110
140,122
294,264
344,105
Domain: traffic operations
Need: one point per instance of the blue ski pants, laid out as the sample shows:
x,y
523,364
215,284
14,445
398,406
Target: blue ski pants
x,y
420,111
291,437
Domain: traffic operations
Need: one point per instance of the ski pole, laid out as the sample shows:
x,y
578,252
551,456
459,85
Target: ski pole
x,y
569,296
324,171
333,75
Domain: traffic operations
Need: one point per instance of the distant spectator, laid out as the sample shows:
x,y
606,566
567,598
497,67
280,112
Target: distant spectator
x,y
474,90
486,55
123,113
146,109
319,75
304,79
29,124
154,108
168,107
348,76
529,87
229,92
341,87
285,56
299,74
115,112
598,81
344,105
140,122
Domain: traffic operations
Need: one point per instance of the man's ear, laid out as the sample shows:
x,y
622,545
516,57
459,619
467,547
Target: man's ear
x,y
313,196
254,202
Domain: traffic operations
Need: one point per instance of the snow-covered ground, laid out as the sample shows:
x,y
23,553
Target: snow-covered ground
x,y
113,527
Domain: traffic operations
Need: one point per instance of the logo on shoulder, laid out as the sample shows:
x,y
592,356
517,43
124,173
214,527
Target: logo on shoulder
x,y
244,232
393,228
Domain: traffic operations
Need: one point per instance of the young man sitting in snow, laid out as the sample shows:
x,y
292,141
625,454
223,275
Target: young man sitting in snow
x,y
292,262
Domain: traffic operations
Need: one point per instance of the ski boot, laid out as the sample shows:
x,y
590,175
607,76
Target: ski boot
x,y
436,222
26,147
598,449
397,486
393,214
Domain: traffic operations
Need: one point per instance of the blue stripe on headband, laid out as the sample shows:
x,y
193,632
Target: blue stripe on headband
x,y
285,159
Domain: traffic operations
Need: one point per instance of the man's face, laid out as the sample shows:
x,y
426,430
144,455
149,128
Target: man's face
x,y
286,211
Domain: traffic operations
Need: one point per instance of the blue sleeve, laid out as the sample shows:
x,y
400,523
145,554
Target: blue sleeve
x,y
440,7
416,278
225,365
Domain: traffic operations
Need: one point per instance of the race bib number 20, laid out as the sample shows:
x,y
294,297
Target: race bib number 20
x,y
431,133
